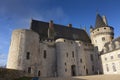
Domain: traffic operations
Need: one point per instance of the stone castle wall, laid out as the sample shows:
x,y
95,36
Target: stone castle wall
x,y
24,43
66,57
49,58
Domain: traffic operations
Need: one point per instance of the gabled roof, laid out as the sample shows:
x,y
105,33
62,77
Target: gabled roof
x,y
61,31
99,22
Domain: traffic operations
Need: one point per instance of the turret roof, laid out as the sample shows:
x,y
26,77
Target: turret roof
x,y
99,22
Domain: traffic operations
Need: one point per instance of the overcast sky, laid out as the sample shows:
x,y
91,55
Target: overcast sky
x,y
16,14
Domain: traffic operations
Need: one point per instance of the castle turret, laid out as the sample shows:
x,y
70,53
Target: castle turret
x,y
101,33
23,50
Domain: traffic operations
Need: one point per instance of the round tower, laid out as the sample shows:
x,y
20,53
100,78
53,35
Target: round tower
x,y
23,50
101,33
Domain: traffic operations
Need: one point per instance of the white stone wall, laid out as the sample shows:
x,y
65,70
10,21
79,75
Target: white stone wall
x,y
50,58
85,50
23,41
108,60
48,64
97,35
65,49
82,59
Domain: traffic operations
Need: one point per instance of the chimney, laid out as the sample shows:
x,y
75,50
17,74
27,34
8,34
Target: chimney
x,y
51,24
70,25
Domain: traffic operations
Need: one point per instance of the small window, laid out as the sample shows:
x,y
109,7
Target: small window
x,y
107,67
97,29
103,38
113,66
92,68
65,70
104,28
112,37
29,69
73,54
81,60
28,55
91,56
45,55
118,55
65,64
84,66
105,59
38,73
111,57
66,54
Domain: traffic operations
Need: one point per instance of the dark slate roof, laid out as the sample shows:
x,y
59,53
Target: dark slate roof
x,y
99,22
61,31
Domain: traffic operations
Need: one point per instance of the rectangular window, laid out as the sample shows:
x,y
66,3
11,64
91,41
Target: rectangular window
x,y
92,68
29,69
65,70
73,54
107,67
114,67
103,38
111,57
28,55
91,56
44,54
81,60
105,59
66,54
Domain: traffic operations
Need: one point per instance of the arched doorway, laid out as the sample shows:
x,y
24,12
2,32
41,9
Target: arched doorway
x,y
38,73
73,70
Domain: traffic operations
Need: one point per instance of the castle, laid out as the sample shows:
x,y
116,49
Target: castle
x,y
53,50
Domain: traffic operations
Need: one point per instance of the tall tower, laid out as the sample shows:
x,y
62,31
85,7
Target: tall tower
x,y
101,33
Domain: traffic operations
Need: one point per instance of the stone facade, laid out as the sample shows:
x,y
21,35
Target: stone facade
x,y
111,57
53,50
102,36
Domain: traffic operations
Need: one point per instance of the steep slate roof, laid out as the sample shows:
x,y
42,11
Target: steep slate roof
x,y
60,31
99,22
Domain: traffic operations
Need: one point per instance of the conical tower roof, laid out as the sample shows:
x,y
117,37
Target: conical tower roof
x,y
99,22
